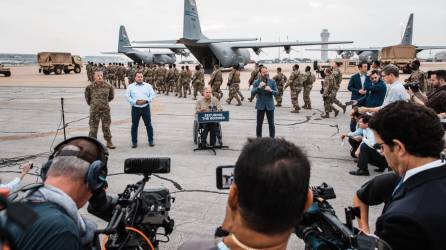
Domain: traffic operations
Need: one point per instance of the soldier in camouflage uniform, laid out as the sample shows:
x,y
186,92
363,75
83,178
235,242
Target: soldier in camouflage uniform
x,y
234,85
418,76
98,95
160,74
280,80
145,73
308,85
170,79
295,81
197,81
337,74
88,69
185,77
151,75
216,81
120,75
329,94
130,73
255,75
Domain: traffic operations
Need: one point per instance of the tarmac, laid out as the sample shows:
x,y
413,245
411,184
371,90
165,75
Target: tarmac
x,y
30,115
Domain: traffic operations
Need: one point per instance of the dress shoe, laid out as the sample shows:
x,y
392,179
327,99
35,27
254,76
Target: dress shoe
x,y
151,144
134,145
360,172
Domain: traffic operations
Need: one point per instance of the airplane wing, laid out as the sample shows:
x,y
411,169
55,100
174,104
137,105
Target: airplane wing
x,y
157,46
430,47
280,44
111,53
207,41
157,42
348,49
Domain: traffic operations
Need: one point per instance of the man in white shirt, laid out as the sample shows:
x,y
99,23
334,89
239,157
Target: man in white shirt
x,y
395,92
140,94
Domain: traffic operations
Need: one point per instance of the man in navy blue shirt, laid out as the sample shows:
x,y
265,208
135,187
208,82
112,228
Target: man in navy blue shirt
x,y
265,88
376,91
140,94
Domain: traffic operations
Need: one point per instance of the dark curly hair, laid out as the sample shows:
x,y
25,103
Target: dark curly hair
x,y
417,127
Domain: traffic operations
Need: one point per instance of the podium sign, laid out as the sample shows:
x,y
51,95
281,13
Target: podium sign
x,y
208,117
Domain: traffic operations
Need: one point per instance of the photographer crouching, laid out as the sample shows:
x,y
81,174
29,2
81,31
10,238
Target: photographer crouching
x,y
76,170
411,139
268,198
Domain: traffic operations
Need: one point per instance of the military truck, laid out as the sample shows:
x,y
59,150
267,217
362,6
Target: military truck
x,y
348,67
399,55
5,71
59,62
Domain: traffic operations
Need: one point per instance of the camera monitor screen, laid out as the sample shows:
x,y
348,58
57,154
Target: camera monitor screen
x,y
225,176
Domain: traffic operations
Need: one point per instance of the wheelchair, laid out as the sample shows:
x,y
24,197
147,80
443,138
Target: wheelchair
x,y
198,131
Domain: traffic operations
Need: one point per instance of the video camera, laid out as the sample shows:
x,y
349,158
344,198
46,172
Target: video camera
x,y
320,228
135,216
414,86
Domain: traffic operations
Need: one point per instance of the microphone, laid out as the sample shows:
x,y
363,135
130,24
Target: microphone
x,y
147,166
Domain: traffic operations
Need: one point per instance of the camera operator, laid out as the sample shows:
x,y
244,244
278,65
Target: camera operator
x,y
435,99
77,169
270,193
411,139
206,104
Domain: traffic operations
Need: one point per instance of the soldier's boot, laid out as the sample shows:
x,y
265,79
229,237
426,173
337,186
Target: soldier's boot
x,y
239,103
327,115
228,101
344,108
250,99
295,110
336,112
309,106
279,104
110,145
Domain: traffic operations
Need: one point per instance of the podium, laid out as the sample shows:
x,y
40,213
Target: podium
x,y
209,117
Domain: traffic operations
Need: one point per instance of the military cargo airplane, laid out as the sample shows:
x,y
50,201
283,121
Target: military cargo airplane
x,y
370,54
142,57
226,52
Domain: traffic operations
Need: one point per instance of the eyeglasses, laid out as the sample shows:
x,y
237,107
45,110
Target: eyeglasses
x,y
379,147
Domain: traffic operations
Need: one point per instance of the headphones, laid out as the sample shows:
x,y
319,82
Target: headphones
x,y
97,170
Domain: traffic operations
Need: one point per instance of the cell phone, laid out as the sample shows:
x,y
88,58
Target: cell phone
x,y
225,176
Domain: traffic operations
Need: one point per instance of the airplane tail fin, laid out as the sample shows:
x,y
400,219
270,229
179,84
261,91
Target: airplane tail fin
x,y
123,40
407,37
191,24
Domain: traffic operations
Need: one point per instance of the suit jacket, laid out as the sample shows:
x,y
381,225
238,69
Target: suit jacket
x,y
354,85
415,218
264,98
376,92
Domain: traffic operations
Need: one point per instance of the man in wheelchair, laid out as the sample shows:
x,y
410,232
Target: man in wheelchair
x,y
208,103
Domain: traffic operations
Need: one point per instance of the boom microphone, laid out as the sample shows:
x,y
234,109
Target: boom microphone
x,y
147,166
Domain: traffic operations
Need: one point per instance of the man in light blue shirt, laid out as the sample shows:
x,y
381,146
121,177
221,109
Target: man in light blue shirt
x,y
366,152
395,92
140,94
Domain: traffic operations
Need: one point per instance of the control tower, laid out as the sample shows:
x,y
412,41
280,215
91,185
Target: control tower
x,y
324,38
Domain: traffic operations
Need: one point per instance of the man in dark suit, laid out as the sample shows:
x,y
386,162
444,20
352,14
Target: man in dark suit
x,y
265,88
376,91
411,139
356,85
